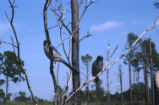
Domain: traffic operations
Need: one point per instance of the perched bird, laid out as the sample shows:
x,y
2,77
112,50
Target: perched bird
x,y
97,65
96,68
55,55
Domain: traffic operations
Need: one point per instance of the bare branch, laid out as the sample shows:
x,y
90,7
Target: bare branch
x,y
58,18
8,43
13,2
45,20
62,40
57,73
70,44
108,54
13,44
7,16
67,38
13,28
63,46
84,37
61,21
66,88
52,27
85,8
114,51
80,3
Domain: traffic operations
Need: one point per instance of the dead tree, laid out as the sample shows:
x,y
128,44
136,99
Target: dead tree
x,y
75,50
156,88
108,91
121,83
12,5
152,73
74,40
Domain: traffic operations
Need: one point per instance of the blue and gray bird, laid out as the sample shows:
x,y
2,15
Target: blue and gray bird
x,y
55,56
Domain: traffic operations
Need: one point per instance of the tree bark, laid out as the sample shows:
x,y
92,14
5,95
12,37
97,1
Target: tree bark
x,y
156,88
152,74
55,85
130,83
75,50
146,86
6,98
121,84
108,93
87,88
137,82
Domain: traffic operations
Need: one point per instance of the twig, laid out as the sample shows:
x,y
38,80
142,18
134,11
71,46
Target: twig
x,y
85,8
67,55
108,54
80,3
62,22
13,28
63,46
52,27
8,43
114,51
66,88
13,43
57,73
84,37
63,41
58,18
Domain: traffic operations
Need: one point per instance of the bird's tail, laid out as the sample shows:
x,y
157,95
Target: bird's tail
x,y
69,66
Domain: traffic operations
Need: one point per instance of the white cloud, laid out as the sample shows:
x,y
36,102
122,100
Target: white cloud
x,y
106,26
4,27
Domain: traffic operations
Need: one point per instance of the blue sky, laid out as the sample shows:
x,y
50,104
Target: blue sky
x,y
107,20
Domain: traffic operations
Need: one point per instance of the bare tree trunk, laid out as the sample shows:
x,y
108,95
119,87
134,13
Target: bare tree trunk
x,y
130,83
55,85
133,82
75,50
121,84
108,93
156,88
97,81
152,74
87,88
146,85
6,98
137,82
145,64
